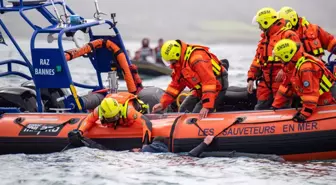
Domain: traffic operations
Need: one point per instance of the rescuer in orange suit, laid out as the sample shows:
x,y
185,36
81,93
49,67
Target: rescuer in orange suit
x,y
199,70
314,38
310,79
265,68
120,109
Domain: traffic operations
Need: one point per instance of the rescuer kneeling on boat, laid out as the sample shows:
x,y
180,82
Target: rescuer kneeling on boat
x,y
308,78
314,38
265,68
199,70
121,109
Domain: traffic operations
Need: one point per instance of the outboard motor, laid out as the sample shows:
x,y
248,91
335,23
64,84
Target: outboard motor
x,y
19,97
49,96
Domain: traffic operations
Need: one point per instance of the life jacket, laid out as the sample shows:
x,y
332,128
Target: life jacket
x,y
327,79
271,65
123,99
309,37
191,78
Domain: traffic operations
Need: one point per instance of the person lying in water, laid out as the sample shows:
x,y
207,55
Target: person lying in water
x,y
159,146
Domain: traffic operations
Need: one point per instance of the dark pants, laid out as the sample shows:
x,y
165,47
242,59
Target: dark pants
x,y
264,104
267,104
333,90
194,104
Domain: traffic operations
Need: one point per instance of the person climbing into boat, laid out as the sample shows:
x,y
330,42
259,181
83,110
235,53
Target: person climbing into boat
x,y
265,68
146,52
315,39
309,79
120,109
130,72
195,67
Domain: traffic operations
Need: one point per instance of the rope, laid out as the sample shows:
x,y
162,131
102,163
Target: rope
x,y
179,97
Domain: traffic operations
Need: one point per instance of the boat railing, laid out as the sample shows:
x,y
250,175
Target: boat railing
x,y
50,65
49,68
10,70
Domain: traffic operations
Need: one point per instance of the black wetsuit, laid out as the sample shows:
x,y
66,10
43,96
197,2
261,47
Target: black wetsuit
x,y
198,151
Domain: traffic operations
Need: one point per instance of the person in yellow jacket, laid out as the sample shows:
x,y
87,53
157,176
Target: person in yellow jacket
x,y
195,67
264,67
307,77
121,109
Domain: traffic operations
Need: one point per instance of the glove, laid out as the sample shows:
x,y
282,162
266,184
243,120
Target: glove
x,y
298,117
75,138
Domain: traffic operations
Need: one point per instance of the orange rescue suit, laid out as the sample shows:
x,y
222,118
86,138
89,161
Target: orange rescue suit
x,y
197,69
310,80
129,115
265,64
315,39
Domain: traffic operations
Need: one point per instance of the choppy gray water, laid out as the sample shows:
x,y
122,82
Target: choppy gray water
x,y
90,166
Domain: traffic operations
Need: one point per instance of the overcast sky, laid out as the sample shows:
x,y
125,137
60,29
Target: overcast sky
x,y
197,20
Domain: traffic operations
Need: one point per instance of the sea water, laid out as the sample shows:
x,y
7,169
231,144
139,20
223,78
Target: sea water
x,y
90,166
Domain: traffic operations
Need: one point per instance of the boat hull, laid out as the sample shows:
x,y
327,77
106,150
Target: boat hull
x,y
260,132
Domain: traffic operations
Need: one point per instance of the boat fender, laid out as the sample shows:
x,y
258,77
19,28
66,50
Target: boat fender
x,y
92,100
49,95
20,97
151,96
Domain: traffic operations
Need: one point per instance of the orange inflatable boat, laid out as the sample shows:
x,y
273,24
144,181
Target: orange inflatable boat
x,y
261,132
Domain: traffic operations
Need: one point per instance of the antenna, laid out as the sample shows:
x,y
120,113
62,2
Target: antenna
x,y
67,20
60,21
97,14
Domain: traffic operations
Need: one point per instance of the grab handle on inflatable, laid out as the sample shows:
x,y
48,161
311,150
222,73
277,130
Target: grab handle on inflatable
x,y
179,97
238,120
194,121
